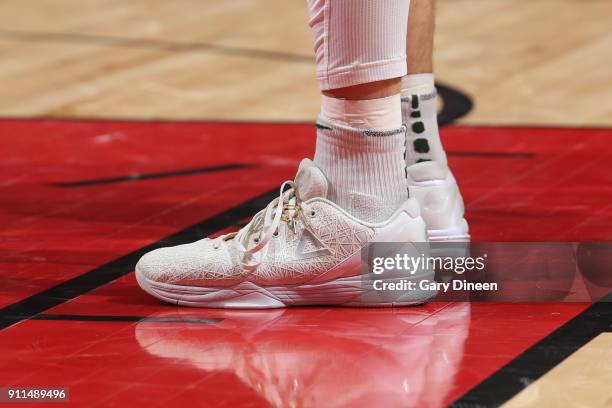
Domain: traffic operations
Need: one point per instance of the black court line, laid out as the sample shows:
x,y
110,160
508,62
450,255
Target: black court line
x,y
101,275
497,155
151,44
123,319
539,359
148,176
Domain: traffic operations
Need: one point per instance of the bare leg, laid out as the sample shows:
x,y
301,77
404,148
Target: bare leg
x,y
420,40
370,90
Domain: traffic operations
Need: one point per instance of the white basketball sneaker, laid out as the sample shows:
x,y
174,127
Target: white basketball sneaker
x,y
302,249
434,186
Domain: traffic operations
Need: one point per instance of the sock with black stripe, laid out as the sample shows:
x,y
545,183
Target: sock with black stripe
x,y
420,114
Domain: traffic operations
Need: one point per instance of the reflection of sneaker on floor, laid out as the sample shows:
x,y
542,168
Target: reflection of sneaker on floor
x,y
297,358
302,249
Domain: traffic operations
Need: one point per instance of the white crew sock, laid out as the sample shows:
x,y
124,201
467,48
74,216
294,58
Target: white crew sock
x,y
365,168
381,113
420,114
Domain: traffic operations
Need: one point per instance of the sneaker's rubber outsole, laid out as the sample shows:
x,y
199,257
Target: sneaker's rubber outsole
x,y
349,291
460,233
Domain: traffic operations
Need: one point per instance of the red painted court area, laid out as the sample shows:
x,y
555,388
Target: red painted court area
x,y
80,199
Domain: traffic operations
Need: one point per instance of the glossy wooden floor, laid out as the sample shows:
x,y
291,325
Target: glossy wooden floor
x,y
536,62
81,200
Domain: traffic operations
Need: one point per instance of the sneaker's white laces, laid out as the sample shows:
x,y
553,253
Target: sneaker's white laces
x,y
266,222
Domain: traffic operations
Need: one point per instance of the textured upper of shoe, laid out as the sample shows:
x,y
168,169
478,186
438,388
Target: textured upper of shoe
x,y
191,263
314,239
322,239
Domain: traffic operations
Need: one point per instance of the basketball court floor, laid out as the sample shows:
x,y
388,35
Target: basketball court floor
x,y
126,126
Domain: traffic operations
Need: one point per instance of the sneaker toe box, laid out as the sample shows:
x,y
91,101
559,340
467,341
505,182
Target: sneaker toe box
x,y
200,264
